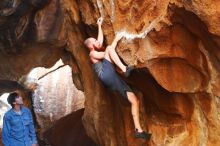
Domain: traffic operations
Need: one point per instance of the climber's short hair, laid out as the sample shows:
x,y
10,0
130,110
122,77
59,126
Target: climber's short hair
x,y
88,41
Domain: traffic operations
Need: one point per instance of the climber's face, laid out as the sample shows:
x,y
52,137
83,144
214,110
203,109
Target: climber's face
x,y
96,44
93,44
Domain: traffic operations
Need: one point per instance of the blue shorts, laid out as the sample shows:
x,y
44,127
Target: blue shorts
x,y
107,74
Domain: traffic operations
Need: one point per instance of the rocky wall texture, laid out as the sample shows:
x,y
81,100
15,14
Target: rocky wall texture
x,y
174,45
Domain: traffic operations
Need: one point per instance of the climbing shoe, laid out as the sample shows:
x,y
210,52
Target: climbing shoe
x,y
129,69
142,134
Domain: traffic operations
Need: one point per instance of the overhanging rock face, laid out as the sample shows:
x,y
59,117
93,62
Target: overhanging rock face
x,y
173,44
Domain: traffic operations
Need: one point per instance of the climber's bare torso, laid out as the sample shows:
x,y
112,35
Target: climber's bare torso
x,y
96,56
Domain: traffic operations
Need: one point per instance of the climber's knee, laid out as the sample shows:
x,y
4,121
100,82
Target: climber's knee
x,y
108,50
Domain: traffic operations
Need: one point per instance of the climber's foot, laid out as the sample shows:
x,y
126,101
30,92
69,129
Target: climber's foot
x,y
128,71
142,134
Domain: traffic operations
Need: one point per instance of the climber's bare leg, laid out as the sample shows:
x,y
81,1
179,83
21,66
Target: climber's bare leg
x,y
135,110
112,56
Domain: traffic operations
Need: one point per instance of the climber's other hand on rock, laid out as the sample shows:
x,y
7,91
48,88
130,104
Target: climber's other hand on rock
x,y
119,35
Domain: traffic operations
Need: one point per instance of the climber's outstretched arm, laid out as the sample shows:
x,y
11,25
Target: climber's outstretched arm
x,y
116,39
100,33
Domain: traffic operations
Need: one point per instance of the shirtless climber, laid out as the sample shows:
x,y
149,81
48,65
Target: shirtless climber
x,y
103,64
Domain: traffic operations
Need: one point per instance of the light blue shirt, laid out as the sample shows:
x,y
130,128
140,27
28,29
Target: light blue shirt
x,y
18,129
